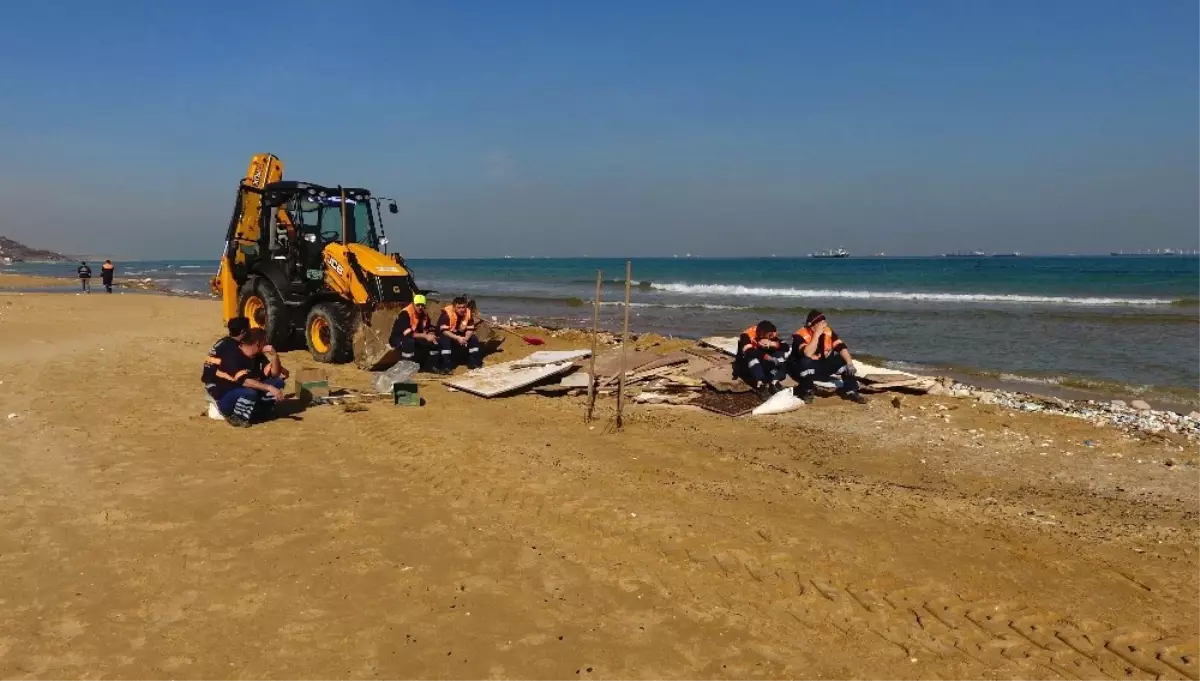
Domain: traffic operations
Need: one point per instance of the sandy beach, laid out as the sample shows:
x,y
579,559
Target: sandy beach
x,y
506,538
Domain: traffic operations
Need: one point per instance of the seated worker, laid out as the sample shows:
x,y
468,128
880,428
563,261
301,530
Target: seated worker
x,y
413,336
456,329
760,358
238,326
818,354
247,383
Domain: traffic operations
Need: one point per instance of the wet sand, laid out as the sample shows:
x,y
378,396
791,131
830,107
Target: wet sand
x,y
506,538
30,281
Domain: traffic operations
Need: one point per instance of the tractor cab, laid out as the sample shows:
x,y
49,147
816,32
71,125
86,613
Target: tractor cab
x,y
303,218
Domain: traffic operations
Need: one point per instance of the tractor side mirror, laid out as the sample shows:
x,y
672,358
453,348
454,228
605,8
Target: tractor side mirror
x,y
392,208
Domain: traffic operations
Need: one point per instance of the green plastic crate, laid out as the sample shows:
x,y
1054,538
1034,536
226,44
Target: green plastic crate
x,y
405,395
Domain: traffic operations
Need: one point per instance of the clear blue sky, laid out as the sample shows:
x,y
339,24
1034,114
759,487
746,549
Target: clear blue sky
x,y
614,128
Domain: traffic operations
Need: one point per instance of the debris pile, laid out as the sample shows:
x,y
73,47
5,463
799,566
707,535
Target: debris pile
x,y
700,373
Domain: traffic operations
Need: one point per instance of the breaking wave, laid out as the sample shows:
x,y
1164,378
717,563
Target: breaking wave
x,y
765,292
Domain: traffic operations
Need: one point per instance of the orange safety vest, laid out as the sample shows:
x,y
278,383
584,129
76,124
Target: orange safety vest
x,y
806,335
752,333
414,318
454,320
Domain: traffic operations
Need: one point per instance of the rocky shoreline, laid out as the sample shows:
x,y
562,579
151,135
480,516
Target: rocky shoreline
x,y
1132,417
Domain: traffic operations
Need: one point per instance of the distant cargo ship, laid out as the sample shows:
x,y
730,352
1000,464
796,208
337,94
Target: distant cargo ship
x,y
965,254
1161,251
1014,254
839,253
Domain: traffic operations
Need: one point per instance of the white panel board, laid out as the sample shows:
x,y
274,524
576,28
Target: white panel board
x,y
499,379
727,345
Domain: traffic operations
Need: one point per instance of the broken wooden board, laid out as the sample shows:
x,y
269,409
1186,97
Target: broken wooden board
x,y
870,372
554,390
608,365
705,352
884,385
728,404
651,371
920,386
638,364
579,379
726,344
506,377
669,359
650,397
552,357
721,380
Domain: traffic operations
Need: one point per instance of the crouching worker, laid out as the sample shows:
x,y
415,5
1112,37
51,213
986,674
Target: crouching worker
x,y
413,336
760,358
818,354
456,327
248,380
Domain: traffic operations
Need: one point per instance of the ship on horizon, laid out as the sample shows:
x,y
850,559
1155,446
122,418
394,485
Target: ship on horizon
x,y
965,254
839,253
1159,252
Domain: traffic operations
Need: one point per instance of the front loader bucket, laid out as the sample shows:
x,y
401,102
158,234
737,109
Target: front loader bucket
x,y
370,342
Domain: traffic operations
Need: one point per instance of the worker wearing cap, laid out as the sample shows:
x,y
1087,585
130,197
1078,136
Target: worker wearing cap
x,y
413,335
818,354
456,334
760,358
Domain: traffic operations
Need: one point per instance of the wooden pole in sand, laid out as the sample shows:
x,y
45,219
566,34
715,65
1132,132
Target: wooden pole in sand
x,y
595,332
624,346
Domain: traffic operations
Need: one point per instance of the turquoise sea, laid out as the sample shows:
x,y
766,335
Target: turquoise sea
x,y
1119,323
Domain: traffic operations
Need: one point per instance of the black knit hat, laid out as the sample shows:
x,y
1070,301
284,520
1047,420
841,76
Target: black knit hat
x,y
814,316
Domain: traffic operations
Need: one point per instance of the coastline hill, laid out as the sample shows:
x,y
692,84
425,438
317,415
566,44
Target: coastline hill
x,y
15,251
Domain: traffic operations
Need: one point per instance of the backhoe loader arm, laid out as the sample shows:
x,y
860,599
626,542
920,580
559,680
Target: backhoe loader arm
x,y
243,228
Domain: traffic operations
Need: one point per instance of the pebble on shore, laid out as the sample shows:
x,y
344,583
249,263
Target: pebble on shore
x,y
1135,416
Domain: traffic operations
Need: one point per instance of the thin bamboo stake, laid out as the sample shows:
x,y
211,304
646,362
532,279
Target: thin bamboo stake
x,y
595,333
624,348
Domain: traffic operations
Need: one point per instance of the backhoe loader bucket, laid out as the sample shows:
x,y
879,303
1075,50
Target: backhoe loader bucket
x,y
371,349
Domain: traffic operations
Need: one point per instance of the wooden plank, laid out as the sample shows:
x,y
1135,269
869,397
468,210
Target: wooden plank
x,y
552,357
721,379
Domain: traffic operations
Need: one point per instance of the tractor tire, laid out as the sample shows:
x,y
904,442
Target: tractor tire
x,y
329,331
260,302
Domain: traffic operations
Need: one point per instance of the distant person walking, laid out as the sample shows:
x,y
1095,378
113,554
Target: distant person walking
x,y
106,275
85,276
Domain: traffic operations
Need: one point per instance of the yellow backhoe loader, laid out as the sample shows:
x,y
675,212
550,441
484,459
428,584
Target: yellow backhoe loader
x,y
311,260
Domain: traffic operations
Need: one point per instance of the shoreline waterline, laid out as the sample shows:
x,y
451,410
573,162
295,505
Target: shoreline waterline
x,y
980,321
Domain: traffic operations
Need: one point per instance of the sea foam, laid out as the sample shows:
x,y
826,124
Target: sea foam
x,y
1009,298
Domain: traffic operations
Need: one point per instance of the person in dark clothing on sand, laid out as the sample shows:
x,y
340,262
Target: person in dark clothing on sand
x,y
760,358
85,277
237,327
818,354
106,275
248,380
